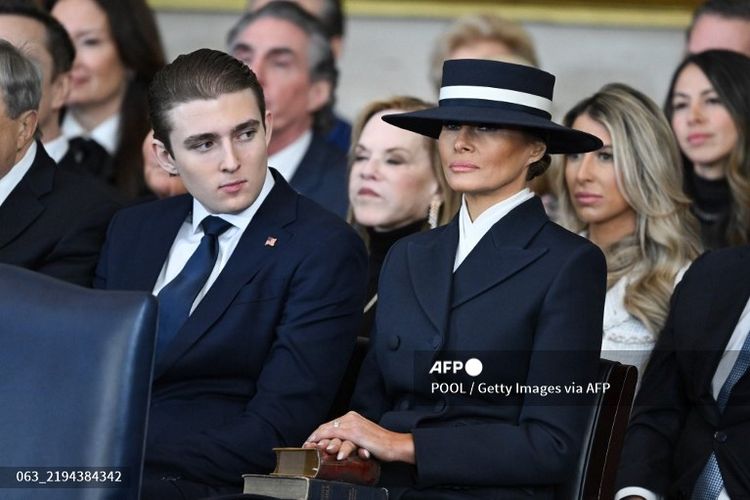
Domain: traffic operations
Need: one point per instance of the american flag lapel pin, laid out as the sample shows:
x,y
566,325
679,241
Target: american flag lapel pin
x,y
271,241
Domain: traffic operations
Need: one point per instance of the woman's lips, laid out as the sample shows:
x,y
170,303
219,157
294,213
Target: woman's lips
x,y
367,192
587,198
697,139
461,167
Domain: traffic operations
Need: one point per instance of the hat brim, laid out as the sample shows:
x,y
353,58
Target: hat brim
x,y
559,139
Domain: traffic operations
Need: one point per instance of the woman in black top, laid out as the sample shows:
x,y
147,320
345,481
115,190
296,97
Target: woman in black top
x,y
708,106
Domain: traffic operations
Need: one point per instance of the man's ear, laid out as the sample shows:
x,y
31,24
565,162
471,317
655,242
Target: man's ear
x,y
164,157
60,90
27,123
268,127
318,95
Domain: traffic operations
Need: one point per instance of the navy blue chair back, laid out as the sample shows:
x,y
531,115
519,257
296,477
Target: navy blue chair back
x,y
75,381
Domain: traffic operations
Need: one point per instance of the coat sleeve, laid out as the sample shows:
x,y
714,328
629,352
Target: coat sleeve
x,y
543,446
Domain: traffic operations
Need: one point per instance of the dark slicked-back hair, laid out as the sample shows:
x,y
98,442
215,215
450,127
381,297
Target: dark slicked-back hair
x,y
57,42
203,74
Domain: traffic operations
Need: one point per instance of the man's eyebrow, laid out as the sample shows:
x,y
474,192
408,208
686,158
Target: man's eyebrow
x,y
281,51
241,46
252,123
192,140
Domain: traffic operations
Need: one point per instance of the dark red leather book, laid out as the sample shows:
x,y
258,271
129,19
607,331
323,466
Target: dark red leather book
x,y
314,463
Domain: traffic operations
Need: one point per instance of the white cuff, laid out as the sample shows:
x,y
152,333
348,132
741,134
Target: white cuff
x,y
637,491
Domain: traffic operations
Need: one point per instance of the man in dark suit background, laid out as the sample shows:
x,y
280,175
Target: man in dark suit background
x,y
690,425
51,221
289,51
45,41
252,356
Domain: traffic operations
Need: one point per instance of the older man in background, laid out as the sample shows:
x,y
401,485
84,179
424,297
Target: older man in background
x,y
51,220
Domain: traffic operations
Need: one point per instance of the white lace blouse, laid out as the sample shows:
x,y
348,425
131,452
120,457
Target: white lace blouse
x,y
625,338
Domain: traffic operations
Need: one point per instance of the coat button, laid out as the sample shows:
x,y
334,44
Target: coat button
x,y
720,436
404,405
394,342
440,405
436,341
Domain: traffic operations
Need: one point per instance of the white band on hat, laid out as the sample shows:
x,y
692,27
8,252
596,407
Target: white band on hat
x,y
495,94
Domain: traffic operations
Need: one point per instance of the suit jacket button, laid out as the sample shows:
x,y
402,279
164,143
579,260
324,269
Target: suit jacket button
x,y
394,342
720,436
404,405
440,405
436,341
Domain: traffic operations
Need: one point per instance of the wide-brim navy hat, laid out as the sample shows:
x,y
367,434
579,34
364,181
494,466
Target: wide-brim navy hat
x,y
477,91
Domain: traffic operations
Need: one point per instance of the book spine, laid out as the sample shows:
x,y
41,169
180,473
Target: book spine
x,y
332,490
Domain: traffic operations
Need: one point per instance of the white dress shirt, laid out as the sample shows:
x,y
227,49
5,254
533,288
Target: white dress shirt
x,y
470,232
10,180
105,134
731,353
190,234
287,160
56,148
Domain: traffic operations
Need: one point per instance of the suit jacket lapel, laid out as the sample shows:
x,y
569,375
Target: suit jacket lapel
x,y
431,272
166,225
501,253
251,254
24,204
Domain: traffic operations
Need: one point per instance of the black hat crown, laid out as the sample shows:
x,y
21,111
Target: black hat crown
x,y
478,91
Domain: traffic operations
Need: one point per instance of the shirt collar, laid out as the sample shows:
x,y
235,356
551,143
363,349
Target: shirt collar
x,y
105,134
56,148
10,180
288,159
240,220
493,214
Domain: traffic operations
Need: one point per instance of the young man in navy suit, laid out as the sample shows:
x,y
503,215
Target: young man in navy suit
x,y
260,289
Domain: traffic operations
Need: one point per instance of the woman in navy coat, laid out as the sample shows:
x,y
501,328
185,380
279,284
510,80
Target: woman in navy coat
x,y
489,328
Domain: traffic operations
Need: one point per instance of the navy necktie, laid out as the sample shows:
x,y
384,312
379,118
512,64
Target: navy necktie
x,y
176,299
710,482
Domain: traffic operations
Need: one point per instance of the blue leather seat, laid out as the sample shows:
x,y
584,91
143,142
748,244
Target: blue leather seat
x,y
75,381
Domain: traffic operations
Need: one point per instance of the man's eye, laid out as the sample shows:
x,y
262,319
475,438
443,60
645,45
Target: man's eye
x,y
247,135
451,126
202,146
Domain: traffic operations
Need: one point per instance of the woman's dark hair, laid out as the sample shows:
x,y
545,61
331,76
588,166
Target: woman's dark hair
x,y
139,46
729,73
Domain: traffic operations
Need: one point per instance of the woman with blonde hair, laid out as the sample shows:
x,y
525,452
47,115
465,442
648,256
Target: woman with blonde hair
x,y
396,185
627,198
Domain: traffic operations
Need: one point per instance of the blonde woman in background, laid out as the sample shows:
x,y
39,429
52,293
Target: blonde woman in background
x,y
627,198
482,36
396,186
